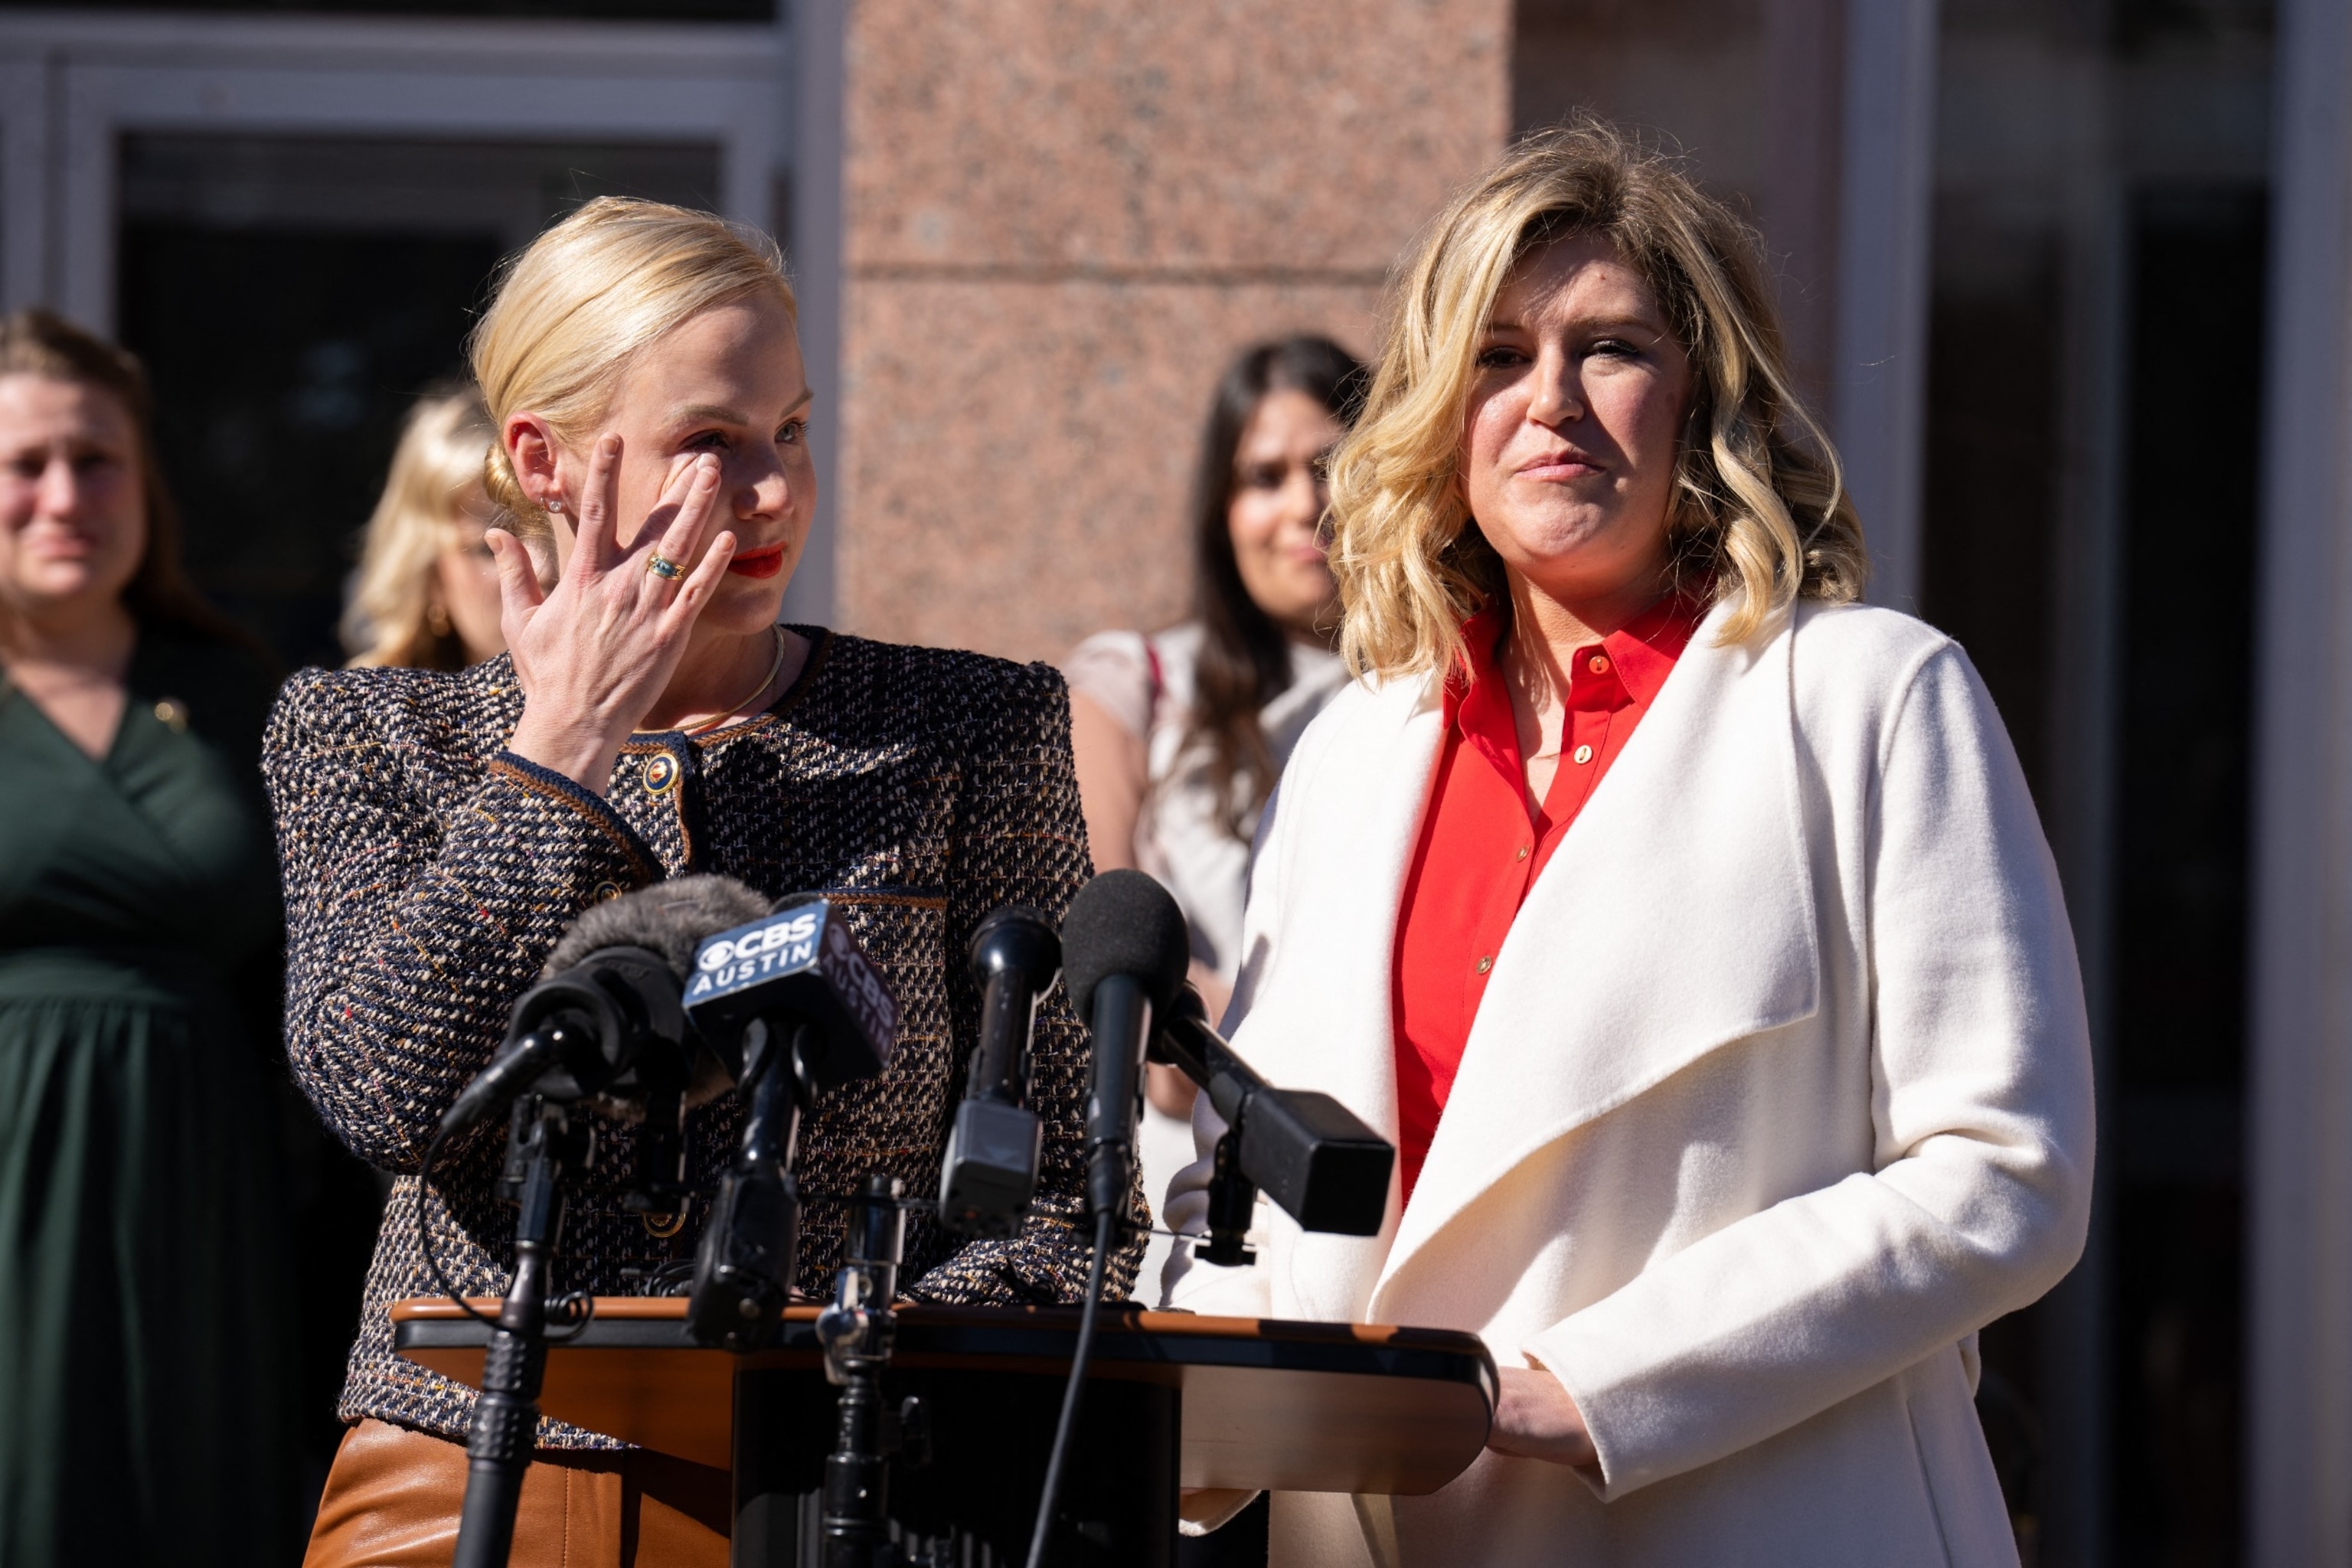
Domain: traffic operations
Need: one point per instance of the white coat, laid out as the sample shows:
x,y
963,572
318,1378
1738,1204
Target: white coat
x,y
1779,1091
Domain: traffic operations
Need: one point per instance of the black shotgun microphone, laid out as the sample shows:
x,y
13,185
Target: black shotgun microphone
x,y
1310,1153
790,1003
1124,952
990,1171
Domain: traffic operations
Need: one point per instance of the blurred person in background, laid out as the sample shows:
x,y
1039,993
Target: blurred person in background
x,y
426,595
144,1409
1180,735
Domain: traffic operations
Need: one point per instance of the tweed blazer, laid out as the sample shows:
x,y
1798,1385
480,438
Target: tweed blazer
x,y
429,873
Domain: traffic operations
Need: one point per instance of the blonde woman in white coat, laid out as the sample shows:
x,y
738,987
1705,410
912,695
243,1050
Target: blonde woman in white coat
x,y
1770,1086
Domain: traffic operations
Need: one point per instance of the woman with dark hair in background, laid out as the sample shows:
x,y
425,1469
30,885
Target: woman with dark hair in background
x,y
143,1408
1180,734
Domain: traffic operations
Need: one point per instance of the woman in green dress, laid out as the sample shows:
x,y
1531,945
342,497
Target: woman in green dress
x,y
143,1261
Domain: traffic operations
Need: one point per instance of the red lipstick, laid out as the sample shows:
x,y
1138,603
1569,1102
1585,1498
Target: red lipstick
x,y
764,561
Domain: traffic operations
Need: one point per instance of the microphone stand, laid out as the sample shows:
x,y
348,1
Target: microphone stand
x,y
542,1145
858,1329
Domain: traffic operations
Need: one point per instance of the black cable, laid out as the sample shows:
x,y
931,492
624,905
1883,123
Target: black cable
x,y
1106,1223
424,1235
575,1308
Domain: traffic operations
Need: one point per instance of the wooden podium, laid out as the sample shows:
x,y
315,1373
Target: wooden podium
x,y
1172,1400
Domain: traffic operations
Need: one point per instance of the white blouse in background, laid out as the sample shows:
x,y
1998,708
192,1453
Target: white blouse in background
x,y
1180,832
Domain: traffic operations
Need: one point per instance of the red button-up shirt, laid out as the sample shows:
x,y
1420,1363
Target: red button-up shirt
x,y
1482,846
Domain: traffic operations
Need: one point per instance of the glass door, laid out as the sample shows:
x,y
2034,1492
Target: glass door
x,y
292,296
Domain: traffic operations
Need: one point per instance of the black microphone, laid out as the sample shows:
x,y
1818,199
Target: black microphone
x,y
990,1171
604,1019
790,1003
1124,952
1308,1153
796,966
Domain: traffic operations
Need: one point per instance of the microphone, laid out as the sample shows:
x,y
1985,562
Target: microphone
x,y
1308,1153
991,1168
798,966
603,1019
793,1008
1124,952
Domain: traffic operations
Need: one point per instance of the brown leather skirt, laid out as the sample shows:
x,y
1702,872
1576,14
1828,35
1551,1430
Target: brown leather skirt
x,y
393,1495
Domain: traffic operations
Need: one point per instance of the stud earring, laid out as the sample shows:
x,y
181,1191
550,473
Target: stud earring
x,y
554,505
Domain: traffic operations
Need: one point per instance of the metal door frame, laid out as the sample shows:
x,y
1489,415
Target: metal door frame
x,y
72,84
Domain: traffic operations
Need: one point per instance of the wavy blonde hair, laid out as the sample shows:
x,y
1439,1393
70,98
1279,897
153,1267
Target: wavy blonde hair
x,y
571,313
1759,516
390,619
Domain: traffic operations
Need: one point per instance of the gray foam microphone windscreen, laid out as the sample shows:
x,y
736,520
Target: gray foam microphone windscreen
x,y
1123,922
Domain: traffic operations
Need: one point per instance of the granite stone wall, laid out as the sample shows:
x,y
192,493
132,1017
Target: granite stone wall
x,y
1063,217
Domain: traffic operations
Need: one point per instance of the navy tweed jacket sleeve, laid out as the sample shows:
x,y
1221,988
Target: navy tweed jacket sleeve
x,y
429,873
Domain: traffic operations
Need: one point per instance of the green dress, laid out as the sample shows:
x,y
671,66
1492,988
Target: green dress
x,y
143,1261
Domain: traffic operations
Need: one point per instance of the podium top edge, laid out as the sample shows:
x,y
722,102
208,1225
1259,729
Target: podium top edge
x,y
1125,1317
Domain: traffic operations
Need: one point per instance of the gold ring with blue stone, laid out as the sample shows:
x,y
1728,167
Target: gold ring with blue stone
x,y
662,567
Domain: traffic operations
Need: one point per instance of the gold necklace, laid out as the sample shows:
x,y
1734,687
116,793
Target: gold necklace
x,y
748,697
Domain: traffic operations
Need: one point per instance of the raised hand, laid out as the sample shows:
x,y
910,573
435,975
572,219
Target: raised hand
x,y
595,652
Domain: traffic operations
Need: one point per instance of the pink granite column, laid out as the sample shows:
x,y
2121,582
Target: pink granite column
x,y
1063,218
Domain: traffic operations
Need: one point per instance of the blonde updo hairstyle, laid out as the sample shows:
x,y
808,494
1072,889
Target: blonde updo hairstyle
x,y
1759,515
395,616
571,312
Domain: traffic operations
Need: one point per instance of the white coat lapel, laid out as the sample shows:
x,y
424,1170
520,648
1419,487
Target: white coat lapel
x,y
1676,916
1320,1018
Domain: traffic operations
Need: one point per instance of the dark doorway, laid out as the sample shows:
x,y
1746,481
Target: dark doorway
x,y
292,296
2171,1152
283,362
2193,438
1989,539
